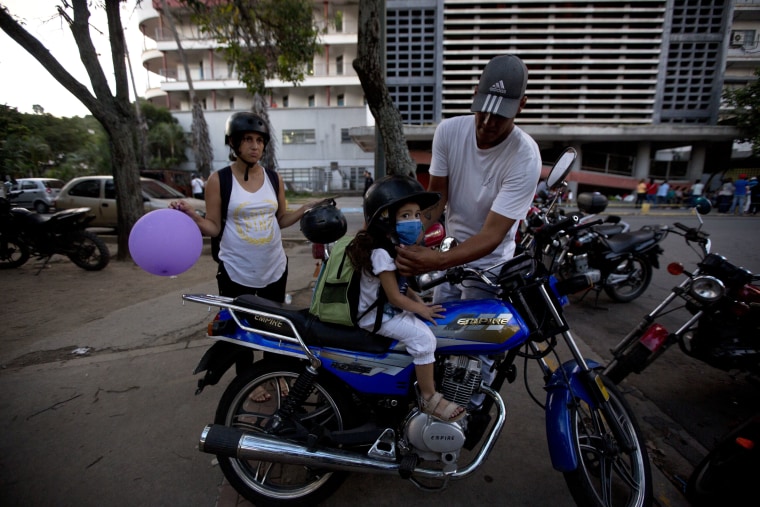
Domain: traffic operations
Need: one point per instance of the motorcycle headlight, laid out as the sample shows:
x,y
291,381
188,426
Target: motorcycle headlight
x,y
707,289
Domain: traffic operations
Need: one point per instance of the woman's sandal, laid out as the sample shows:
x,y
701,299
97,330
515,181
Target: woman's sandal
x,y
443,413
261,395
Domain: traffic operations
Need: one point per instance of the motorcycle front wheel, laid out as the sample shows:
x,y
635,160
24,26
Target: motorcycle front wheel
x,y
629,279
608,476
88,251
13,253
248,404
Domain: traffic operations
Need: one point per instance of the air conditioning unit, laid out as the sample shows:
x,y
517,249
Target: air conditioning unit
x,y
738,38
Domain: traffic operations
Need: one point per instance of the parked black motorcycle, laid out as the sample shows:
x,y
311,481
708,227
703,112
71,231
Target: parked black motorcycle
x,y
24,234
574,246
723,306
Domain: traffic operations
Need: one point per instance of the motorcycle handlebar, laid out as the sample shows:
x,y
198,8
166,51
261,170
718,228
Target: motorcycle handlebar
x,y
692,234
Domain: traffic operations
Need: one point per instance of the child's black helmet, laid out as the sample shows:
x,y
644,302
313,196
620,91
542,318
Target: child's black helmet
x,y
324,223
240,123
387,194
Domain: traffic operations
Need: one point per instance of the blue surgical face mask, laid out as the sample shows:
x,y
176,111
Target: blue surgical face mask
x,y
409,231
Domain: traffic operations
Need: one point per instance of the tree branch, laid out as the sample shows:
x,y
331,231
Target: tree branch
x,y
35,48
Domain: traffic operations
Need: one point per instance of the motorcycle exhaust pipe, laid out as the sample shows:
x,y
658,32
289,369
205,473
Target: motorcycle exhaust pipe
x,y
235,443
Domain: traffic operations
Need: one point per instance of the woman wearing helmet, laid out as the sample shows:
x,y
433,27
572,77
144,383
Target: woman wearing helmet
x,y
251,256
392,210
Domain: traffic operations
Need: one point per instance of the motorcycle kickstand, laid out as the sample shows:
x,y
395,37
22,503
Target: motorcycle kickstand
x,y
44,264
596,299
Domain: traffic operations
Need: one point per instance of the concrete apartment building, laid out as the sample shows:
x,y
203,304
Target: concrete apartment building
x,y
634,86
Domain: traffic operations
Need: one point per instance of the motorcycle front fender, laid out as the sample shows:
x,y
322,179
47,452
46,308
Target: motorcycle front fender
x,y
559,424
218,359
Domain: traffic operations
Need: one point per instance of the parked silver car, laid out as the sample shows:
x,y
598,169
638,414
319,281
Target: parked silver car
x,y
38,194
99,194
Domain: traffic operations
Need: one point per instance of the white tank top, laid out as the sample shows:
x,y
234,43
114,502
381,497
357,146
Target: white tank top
x,y
251,247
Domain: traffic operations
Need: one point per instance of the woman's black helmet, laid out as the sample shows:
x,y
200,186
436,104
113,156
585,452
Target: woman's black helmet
x,y
387,194
240,123
324,223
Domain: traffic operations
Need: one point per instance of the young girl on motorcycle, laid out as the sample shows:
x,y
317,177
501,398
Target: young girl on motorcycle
x,y
392,210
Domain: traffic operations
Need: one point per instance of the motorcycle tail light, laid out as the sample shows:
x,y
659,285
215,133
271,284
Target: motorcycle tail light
x,y
707,289
745,442
318,250
654,336
675,268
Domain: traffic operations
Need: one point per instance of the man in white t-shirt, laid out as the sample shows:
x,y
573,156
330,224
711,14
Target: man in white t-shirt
x,y
486,169
198,186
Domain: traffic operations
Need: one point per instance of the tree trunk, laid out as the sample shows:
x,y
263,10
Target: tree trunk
x,y
112,111
201,144
369,68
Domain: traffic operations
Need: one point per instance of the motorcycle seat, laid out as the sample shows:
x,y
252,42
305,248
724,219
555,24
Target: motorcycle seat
x,y
312,330
624,241
608,229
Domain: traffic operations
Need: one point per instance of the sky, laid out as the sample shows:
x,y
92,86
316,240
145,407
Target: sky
x,y
25,82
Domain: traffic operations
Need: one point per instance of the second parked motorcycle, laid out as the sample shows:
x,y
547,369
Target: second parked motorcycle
x,y
575,247
24,234
722,318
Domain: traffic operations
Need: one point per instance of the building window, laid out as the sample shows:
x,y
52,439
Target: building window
x,y
341,100
339,65
304,136
232,102
344,137
285,102
311,101
200,69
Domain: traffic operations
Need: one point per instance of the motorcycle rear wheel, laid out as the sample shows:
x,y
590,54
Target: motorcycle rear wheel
x,y
606,475
267,483
639,276
13,253
89,252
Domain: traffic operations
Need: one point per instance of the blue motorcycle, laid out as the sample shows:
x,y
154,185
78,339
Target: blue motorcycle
x,y
326,400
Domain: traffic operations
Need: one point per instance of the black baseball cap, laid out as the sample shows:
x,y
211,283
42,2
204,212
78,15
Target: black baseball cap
x,y
501,87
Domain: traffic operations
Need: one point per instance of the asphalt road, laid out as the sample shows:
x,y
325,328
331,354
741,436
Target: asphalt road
x,y
122,428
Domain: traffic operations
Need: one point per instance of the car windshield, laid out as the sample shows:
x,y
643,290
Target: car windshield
x,y
54,184
158,190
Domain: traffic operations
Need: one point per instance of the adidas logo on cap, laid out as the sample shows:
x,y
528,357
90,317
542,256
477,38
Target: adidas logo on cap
x,y
498,87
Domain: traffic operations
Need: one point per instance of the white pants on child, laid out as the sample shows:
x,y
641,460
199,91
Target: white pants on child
x,y
416,336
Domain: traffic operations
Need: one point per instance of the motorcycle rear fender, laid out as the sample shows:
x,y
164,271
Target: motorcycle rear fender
x,y
218,359
559,424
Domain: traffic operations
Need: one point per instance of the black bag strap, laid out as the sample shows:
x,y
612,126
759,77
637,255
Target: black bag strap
x,y
379,303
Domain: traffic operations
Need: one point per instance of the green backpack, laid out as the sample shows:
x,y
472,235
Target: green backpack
x,y
336,295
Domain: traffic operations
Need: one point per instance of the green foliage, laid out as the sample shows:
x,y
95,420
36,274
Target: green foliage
x,y
42,145
745,103
263,39
166,143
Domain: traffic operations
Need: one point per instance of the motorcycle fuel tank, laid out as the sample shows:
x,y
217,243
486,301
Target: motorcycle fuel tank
x,y
487,325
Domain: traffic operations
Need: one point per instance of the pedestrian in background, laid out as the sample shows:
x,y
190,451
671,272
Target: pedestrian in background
x,y
641,192
740,195
697,189
368,181
198,186
651,191
662,193
725,194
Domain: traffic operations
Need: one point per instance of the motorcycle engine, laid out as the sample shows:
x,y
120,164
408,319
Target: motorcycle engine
x,y
437,440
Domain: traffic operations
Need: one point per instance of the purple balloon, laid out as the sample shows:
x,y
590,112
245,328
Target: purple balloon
x,y
165,242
